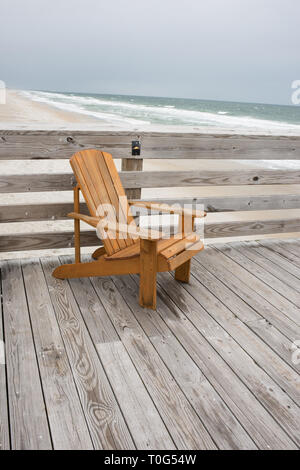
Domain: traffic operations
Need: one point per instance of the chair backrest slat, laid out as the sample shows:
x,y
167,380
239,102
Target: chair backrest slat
x,y
100,184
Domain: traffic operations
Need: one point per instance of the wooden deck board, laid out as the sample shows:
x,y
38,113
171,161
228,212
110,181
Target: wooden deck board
x,y
284,251
255,252
4,425
268,286
209,406
66,419
143,419
275,262
232,356
239,254
274,300
240,283
184,425
87,367
27,412
221,284
250,357
102,412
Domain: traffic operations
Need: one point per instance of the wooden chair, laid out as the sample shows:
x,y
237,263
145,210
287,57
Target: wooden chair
x,y
127,248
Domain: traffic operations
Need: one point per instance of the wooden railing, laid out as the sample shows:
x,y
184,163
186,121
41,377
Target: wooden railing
x,y
45,145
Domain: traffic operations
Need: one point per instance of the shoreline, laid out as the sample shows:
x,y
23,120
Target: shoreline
x,y
20,112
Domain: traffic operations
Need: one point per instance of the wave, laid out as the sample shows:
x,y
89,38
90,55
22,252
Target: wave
x,y
75,104
145,114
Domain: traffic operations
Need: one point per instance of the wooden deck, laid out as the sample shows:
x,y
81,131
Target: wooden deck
x,y
213,367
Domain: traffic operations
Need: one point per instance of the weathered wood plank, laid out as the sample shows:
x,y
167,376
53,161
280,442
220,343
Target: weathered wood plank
x,y
281,250
248,203
143,419
239,228
247,259
46,240
4,426
66,419
34,212
197,332
250,289
264,249
104,418
59,211
242,310
145,424
38,145
183,424
293,247
274,264
153,179
165,179
25,144
287,308
27,413
211,409
219,146
37,183
254,377
281,372
65,239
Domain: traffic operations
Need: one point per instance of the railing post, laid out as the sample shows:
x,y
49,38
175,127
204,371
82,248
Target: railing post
x,y
133,164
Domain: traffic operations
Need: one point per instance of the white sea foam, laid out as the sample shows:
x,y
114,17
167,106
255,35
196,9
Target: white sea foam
x,y
143,114
75,104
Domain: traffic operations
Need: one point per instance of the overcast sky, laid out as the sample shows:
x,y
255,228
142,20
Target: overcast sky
x,y
240,50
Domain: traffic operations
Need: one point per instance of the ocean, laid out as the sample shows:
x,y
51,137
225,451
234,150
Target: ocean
x,y
201,115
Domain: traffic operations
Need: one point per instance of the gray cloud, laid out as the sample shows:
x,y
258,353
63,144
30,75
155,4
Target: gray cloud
x,y
242,50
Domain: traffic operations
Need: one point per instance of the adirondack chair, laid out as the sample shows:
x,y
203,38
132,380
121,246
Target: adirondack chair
x,y
127,248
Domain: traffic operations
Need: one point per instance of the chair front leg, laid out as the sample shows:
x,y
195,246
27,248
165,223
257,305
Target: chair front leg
x,y
148,270
77,225
182,273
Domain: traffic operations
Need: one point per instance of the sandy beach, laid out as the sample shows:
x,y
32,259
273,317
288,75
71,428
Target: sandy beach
x,y
22,113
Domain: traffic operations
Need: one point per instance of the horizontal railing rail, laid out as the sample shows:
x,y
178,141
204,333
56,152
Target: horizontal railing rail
x,y
53,145
58,211
152,179
65,239
39,145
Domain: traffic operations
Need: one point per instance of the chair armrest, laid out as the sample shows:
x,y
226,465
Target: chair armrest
x,y
93,221
155,206
132,231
